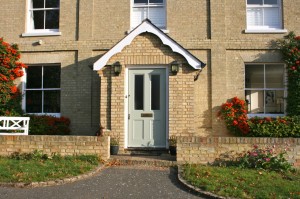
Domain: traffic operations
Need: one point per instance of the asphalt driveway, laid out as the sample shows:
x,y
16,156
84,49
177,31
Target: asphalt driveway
x,y
114,182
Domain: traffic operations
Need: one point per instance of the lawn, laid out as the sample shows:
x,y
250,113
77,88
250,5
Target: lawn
x,y
243,183
38,167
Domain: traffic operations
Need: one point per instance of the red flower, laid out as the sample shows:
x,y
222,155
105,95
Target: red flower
x,y
234,123
14,89
268,119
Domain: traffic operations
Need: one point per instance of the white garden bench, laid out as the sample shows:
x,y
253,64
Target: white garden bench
x,y
14,125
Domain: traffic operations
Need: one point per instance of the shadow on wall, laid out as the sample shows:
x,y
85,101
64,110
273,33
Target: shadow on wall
x,y
80,88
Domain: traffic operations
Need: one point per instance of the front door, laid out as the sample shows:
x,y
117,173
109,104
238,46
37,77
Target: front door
x,y
147,108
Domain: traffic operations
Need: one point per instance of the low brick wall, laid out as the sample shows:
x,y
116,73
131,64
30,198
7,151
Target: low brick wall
x,y
202,150
64,145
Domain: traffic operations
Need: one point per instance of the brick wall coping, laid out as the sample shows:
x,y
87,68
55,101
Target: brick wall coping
x,y
61,138
237,140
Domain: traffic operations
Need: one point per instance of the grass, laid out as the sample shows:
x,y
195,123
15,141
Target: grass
x,y
38,167
243,183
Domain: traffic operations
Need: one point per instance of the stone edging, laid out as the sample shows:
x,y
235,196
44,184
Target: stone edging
x,y
185,183
55,182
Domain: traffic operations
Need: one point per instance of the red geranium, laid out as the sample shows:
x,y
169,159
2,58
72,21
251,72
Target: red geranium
x,y
234,114
10,69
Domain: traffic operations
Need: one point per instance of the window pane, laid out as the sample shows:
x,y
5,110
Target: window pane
x,y
157,16
156,1
38,3
278,106
272,18
34,77
51,101
254,2
38,17
141,1
274,101
254,17
255,101
138,15
254,76
52,3
139,92
274,76
155,92
52,77
52,19
271,2
34,101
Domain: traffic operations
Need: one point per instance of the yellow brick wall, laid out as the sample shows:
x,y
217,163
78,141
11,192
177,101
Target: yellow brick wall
x,y
63,145
147,50
212,30
200,150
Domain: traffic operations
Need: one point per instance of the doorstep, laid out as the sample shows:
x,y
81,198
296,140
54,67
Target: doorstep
x,y
159,160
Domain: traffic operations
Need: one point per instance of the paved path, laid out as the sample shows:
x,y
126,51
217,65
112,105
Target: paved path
x,y
114,182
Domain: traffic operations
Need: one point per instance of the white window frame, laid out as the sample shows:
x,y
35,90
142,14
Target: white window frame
x,y
24,82
148,6
266,89
264,28
30,31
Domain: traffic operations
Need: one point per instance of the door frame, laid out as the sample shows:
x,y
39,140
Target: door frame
x,y
126,101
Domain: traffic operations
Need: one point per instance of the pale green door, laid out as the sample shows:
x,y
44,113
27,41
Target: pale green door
x,y
147,108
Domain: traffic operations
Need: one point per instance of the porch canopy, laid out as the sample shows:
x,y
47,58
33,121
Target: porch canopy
x,y
147,26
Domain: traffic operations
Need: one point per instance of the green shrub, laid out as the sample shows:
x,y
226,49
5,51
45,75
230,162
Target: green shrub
x,y
48,125
266,159
290,49
275,127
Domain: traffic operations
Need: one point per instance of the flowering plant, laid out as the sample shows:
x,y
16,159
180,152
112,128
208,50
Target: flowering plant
x,y
290,48
265,158
234,113
288,126
49,125
10,69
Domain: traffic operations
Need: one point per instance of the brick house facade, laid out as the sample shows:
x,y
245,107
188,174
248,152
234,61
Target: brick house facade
x,y
233,38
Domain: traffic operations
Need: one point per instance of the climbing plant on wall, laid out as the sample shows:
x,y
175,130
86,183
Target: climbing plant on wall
x,y
10,69
290,48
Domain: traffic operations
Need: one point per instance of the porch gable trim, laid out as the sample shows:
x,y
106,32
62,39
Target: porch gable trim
x,y
147,26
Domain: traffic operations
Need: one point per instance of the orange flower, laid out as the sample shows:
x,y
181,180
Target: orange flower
x,y
235,123
14,89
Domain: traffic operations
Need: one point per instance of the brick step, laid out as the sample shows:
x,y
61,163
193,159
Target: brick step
x,y
163,160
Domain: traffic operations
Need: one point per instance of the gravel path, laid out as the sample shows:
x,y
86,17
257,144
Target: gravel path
x,y
114,182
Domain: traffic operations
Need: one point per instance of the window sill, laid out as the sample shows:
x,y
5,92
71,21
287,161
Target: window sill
x,y
279,31
250,115
46,114
36,34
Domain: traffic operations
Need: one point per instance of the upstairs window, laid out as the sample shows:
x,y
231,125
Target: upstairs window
x,y
154,10
43,16
42,89
264,15
265,89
